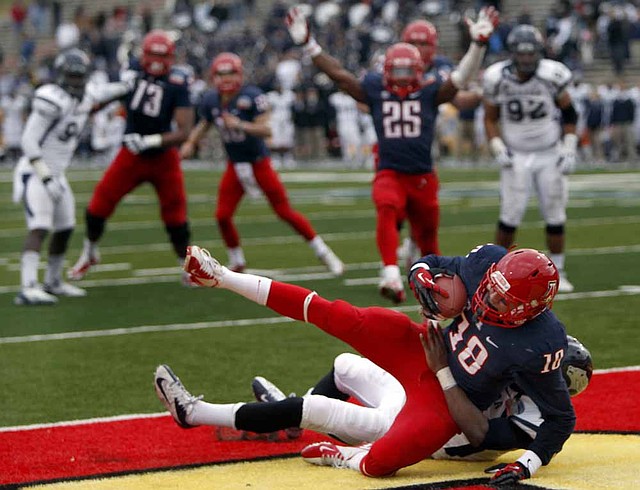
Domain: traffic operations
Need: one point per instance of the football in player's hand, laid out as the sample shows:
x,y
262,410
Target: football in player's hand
x,y
453,305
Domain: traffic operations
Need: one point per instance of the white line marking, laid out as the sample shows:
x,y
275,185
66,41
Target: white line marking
x,y
142,416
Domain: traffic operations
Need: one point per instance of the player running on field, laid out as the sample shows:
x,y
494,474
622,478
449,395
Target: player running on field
x,y
241,114
159,117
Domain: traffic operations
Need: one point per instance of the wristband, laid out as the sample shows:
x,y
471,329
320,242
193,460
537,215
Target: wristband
x,y
446,379
530,461
312,48
152,140
570,141
497,146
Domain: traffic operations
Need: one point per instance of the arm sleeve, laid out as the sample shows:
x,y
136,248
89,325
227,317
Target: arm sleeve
x,y
182,96
550,394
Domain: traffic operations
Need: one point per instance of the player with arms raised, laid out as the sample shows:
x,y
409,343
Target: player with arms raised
x,y
522,97
159,98
59,113
241,114
404,107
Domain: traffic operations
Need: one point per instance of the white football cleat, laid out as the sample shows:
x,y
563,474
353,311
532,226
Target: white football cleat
x,y
85,262
333,263
391,285
204,270
65,289
565,286
34,296
174,396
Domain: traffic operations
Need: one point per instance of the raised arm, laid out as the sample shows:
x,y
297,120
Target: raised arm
x,y
467,69
298,27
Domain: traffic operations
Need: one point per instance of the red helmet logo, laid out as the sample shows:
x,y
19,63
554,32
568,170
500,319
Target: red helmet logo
x,y
403,69
157,53
227,73
516,289
423,35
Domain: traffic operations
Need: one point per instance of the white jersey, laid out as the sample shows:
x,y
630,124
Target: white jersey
x,y
63,118
281,104
347,114
528,112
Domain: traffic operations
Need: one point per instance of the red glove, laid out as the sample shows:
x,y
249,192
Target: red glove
x,y
422,283
510,474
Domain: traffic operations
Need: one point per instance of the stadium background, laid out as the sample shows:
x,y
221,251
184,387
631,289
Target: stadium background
x,y
94,357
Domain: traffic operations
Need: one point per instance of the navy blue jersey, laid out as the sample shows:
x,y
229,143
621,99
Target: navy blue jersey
x,y
249,103
484,359
405,127
153,100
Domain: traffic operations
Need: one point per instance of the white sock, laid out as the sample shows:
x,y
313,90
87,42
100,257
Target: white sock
x,y
558,260
204,413
255,288
236,256
318,246
391,272
29,268
90,247
53,275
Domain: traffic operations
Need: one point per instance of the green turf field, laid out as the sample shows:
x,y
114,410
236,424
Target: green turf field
x,y
139,315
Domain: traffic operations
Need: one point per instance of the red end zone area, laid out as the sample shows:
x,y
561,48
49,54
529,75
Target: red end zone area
x,y
139,444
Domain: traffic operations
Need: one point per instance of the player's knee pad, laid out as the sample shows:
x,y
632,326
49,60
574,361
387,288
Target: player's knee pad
x,y
502,226
351,423
179,234
555,229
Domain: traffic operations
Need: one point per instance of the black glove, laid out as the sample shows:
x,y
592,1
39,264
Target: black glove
x,y
508,474
422,283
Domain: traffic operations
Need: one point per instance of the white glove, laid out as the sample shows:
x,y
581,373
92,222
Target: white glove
x,y
481,30
567,162
501,153
298,28
136,143
55,187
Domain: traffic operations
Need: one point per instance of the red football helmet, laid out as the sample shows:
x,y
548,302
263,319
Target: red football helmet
x,y
226,73
423,35
403,69
524,283
157,53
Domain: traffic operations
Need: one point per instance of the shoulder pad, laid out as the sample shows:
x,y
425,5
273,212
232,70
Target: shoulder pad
x,y
554,72
178,77
493,75
49,100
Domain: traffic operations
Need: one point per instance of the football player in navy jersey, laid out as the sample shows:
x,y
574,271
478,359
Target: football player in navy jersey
x,y
404,107
506,334
241,114
159,98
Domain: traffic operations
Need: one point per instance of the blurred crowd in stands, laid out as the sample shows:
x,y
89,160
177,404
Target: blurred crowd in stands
x,y
578,33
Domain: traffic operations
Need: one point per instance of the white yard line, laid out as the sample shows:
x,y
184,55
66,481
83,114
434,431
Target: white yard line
x,y
622,291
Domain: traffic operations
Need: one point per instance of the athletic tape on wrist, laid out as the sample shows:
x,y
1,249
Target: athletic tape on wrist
x,y
446,379
312,48
531,461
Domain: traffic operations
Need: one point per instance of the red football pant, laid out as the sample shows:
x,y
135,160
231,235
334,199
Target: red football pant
x,y
389,339
231,191
397,195
128,171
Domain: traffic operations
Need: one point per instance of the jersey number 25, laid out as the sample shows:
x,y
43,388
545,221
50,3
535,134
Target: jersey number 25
x,y
401,119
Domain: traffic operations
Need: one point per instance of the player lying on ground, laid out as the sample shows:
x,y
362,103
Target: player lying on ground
x,y
513,419
512,293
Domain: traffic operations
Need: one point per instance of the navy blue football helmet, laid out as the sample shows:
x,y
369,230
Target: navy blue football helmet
x,y
526,46
72,69
577,366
